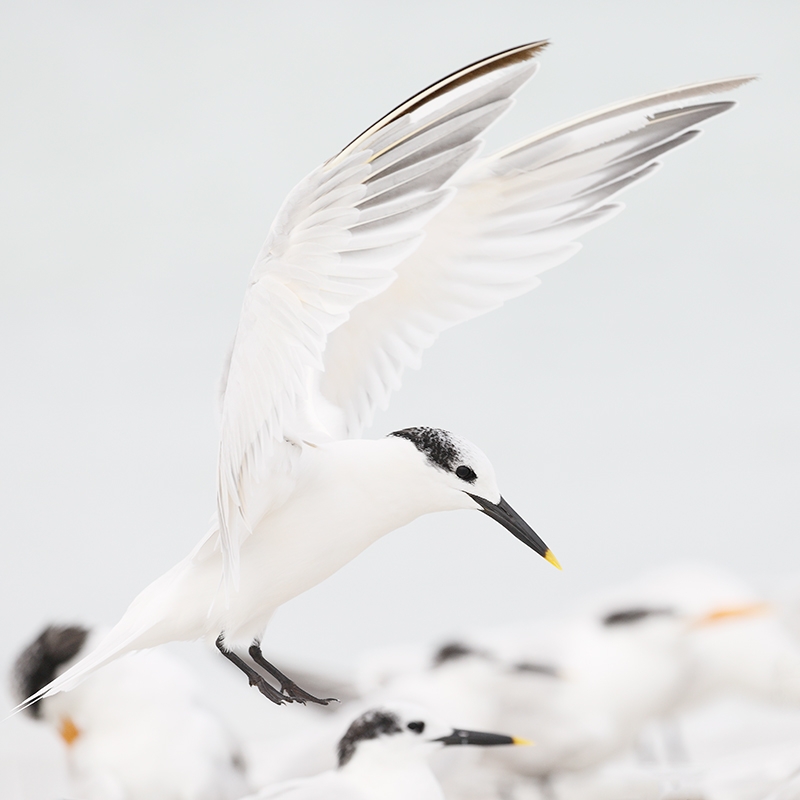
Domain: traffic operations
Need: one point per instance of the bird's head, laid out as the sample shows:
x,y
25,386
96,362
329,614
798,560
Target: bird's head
x,y
41,661
462,474
407,730
44,658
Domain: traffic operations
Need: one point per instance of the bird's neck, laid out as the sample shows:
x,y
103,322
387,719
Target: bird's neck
x,y
382,483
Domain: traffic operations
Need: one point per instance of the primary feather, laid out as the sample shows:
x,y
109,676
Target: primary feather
x,y
515,214
402,235
336,243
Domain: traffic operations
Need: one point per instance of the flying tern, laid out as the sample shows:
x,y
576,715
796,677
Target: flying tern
x,y
383,756
402,234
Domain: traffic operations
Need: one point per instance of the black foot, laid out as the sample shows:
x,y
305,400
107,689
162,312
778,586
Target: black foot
x,y
290,691
259,681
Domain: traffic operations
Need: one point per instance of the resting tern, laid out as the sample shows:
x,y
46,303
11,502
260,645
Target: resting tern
x,y
383,757
140,730
739,644
401,235
581,687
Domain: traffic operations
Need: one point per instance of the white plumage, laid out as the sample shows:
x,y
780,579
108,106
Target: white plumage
x,y
584,687
140,730
383,756
401,235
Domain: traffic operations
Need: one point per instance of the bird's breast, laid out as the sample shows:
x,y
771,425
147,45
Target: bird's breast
x,y
324,525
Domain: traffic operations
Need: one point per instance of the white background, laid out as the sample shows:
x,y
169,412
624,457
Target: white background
x,y
640,407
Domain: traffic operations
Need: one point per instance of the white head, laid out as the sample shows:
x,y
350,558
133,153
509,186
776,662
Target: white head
x,y
456,462
464,473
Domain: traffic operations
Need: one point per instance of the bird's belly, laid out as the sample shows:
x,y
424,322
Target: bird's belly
x,y
286,555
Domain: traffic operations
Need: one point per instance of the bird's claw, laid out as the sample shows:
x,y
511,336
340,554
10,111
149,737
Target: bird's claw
x,y
270,692
294,694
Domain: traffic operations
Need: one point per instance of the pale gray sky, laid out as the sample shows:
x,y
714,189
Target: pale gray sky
x,y
640,407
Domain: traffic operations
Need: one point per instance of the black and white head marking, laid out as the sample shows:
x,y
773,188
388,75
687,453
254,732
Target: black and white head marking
x,y
632,615
441,449
452,651
38,663
369,725
464,474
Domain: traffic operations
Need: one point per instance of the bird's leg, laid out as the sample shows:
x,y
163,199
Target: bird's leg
x,y
290,690
259,681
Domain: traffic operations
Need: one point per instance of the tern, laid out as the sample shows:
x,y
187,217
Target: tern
x,y
140,730
402,234
742,647
582,687
383,756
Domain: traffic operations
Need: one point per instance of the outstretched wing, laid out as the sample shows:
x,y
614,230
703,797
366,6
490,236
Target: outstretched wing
x,y
515,214
335,243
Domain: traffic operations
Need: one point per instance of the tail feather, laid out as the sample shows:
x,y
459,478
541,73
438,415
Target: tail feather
x,y
135,631
145,624
120,640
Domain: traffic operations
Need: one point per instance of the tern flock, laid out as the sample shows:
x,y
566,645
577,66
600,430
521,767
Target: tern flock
x,y
401,235
609,696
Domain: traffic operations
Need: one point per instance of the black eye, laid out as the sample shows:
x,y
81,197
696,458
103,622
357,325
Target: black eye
x,y
417,727
466,474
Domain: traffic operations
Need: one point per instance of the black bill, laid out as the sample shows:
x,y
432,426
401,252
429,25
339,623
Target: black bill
x,y
479,738
509,519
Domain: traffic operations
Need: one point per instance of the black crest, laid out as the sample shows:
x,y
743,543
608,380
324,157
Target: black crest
x,y
452,651
437,445
535,668
370,725
37,664
630,615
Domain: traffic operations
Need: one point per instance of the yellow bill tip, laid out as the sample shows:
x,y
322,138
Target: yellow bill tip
x,y
523,742
548,556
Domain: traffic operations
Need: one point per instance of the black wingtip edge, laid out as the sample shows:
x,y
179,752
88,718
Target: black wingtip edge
x,y
484,66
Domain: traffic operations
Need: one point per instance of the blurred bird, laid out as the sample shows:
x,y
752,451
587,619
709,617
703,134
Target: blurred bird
x,y
458,682
140,730
612,674
582,688
383,757
401,235
645,652
739,643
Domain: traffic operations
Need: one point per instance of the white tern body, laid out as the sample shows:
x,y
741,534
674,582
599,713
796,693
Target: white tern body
x,y
400,236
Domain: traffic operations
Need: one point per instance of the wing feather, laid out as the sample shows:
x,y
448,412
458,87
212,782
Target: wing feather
x,y
516,214
337,242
